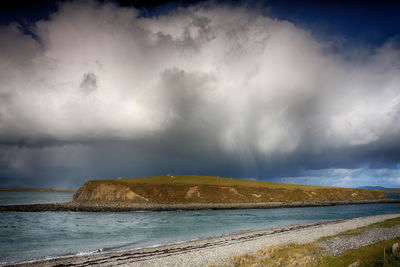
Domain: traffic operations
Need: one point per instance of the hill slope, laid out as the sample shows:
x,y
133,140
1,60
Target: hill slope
x,y
211,189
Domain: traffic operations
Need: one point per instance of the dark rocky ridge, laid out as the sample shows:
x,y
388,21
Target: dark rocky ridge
x,y
123,206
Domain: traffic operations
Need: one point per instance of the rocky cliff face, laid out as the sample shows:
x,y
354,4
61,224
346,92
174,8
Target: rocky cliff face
x,y
108,192
183,193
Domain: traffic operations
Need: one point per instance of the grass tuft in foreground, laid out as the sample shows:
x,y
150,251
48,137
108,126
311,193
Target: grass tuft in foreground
x,y
290,255
355,232
283,255
378,254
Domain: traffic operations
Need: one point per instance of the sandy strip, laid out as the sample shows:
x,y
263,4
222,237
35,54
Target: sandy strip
x,y
216,250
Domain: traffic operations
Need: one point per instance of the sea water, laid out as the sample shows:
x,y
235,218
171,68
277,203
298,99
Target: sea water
x,y
19,198
37,235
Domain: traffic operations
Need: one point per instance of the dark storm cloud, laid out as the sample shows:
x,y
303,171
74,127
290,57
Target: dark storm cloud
x,y
103,92
89,83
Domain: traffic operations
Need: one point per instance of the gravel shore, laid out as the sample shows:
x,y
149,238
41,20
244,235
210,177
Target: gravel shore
x,y
219,250
338,245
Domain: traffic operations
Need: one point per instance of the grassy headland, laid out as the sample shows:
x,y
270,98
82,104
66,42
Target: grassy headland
x,y
212,189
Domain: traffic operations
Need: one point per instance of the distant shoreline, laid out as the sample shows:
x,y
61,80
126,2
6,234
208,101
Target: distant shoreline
x,y
37,190
125,206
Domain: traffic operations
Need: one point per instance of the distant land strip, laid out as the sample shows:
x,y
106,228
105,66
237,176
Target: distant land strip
x,y
123,206
37,190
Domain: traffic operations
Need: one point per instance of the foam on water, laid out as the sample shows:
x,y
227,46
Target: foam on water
x,y
85,253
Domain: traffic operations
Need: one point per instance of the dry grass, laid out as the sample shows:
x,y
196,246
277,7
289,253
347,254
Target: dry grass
x,y
290,255
208,180
379,254
213,189
282,255
392,190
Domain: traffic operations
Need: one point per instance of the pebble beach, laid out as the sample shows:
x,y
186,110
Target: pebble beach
x,y
219,250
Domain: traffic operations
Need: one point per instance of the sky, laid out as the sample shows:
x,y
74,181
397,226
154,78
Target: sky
x,y
285,91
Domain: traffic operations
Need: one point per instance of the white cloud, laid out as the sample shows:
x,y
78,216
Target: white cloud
x,y
259,73
250,86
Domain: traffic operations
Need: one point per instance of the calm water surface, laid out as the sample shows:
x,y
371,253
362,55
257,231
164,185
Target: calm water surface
x,y
16,198
393,195
26,235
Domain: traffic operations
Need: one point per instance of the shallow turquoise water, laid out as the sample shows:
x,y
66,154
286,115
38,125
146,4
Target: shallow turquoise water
x,y
26,235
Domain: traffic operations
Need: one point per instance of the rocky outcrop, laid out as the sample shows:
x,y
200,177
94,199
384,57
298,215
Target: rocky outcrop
x,y
193,192
232,190
108,192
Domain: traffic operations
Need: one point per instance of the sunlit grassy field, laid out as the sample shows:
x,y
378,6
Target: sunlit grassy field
x,y
207,180
214,189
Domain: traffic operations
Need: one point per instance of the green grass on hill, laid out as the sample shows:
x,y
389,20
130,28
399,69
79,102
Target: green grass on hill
x,y
392,190
214,189
207,180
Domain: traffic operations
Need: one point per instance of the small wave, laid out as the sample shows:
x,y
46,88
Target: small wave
x,y
85,253
35,260
130,245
